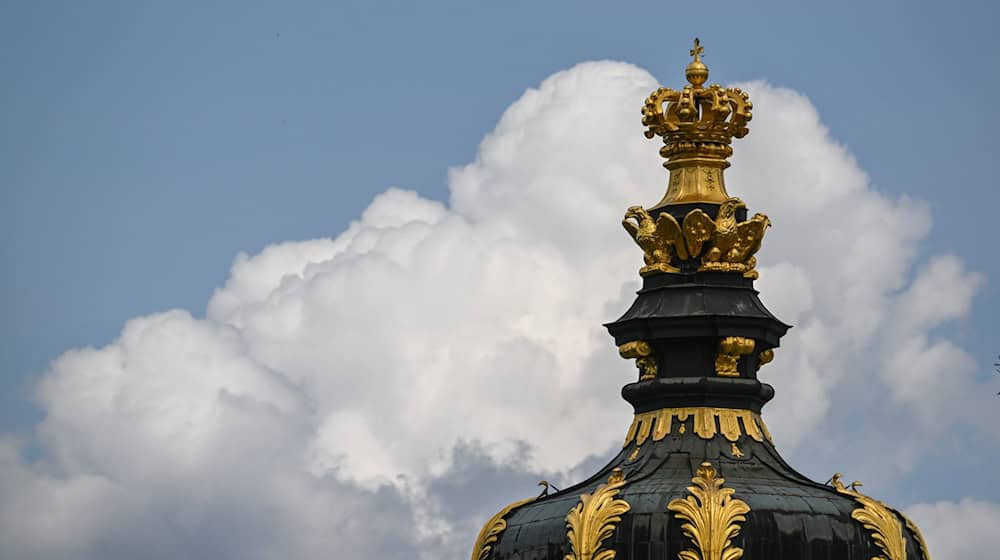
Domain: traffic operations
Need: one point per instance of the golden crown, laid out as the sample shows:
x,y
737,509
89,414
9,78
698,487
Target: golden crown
x,y
697,127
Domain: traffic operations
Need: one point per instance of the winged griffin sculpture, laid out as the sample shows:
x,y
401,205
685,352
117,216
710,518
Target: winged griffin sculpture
x,y
723,243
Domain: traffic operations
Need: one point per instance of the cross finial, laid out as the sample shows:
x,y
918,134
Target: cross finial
x,y
698,50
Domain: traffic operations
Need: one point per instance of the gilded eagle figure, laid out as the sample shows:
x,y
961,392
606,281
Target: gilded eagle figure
x,y
656,238
731,244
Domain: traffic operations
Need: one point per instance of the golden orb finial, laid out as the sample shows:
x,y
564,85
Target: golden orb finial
x,y
697,72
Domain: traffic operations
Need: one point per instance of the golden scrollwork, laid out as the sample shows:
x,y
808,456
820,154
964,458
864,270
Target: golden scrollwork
x,y
764,358
878,519
708,422
722,244
712,517
595,519
642,352
490,532
730,350
697,128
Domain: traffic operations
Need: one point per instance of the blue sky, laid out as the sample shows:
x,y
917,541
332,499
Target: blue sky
x,y
146,145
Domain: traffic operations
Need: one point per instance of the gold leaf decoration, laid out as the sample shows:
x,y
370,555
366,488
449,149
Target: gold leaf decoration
x,y
594,520
712,517
878,519
490,532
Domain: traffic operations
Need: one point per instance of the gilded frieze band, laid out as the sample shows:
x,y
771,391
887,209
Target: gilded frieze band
x,y
708,421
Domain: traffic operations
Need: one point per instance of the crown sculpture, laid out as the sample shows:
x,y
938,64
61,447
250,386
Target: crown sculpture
x,y
698,476
698,125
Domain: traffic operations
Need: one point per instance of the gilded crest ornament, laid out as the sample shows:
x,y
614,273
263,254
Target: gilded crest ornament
x,y
712,517
878,519
595,519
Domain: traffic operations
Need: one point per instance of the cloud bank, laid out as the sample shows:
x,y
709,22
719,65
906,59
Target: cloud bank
x,y
385,390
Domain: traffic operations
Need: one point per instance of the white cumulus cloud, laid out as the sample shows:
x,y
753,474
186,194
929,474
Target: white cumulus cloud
x,y
958,530
336,384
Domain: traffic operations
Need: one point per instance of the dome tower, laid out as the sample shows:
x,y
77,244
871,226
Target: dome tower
x,y
698,477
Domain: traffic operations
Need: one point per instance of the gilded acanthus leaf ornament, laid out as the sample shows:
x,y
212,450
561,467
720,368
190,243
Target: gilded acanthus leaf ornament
x,y
712,517
490,532
594,520
878,519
